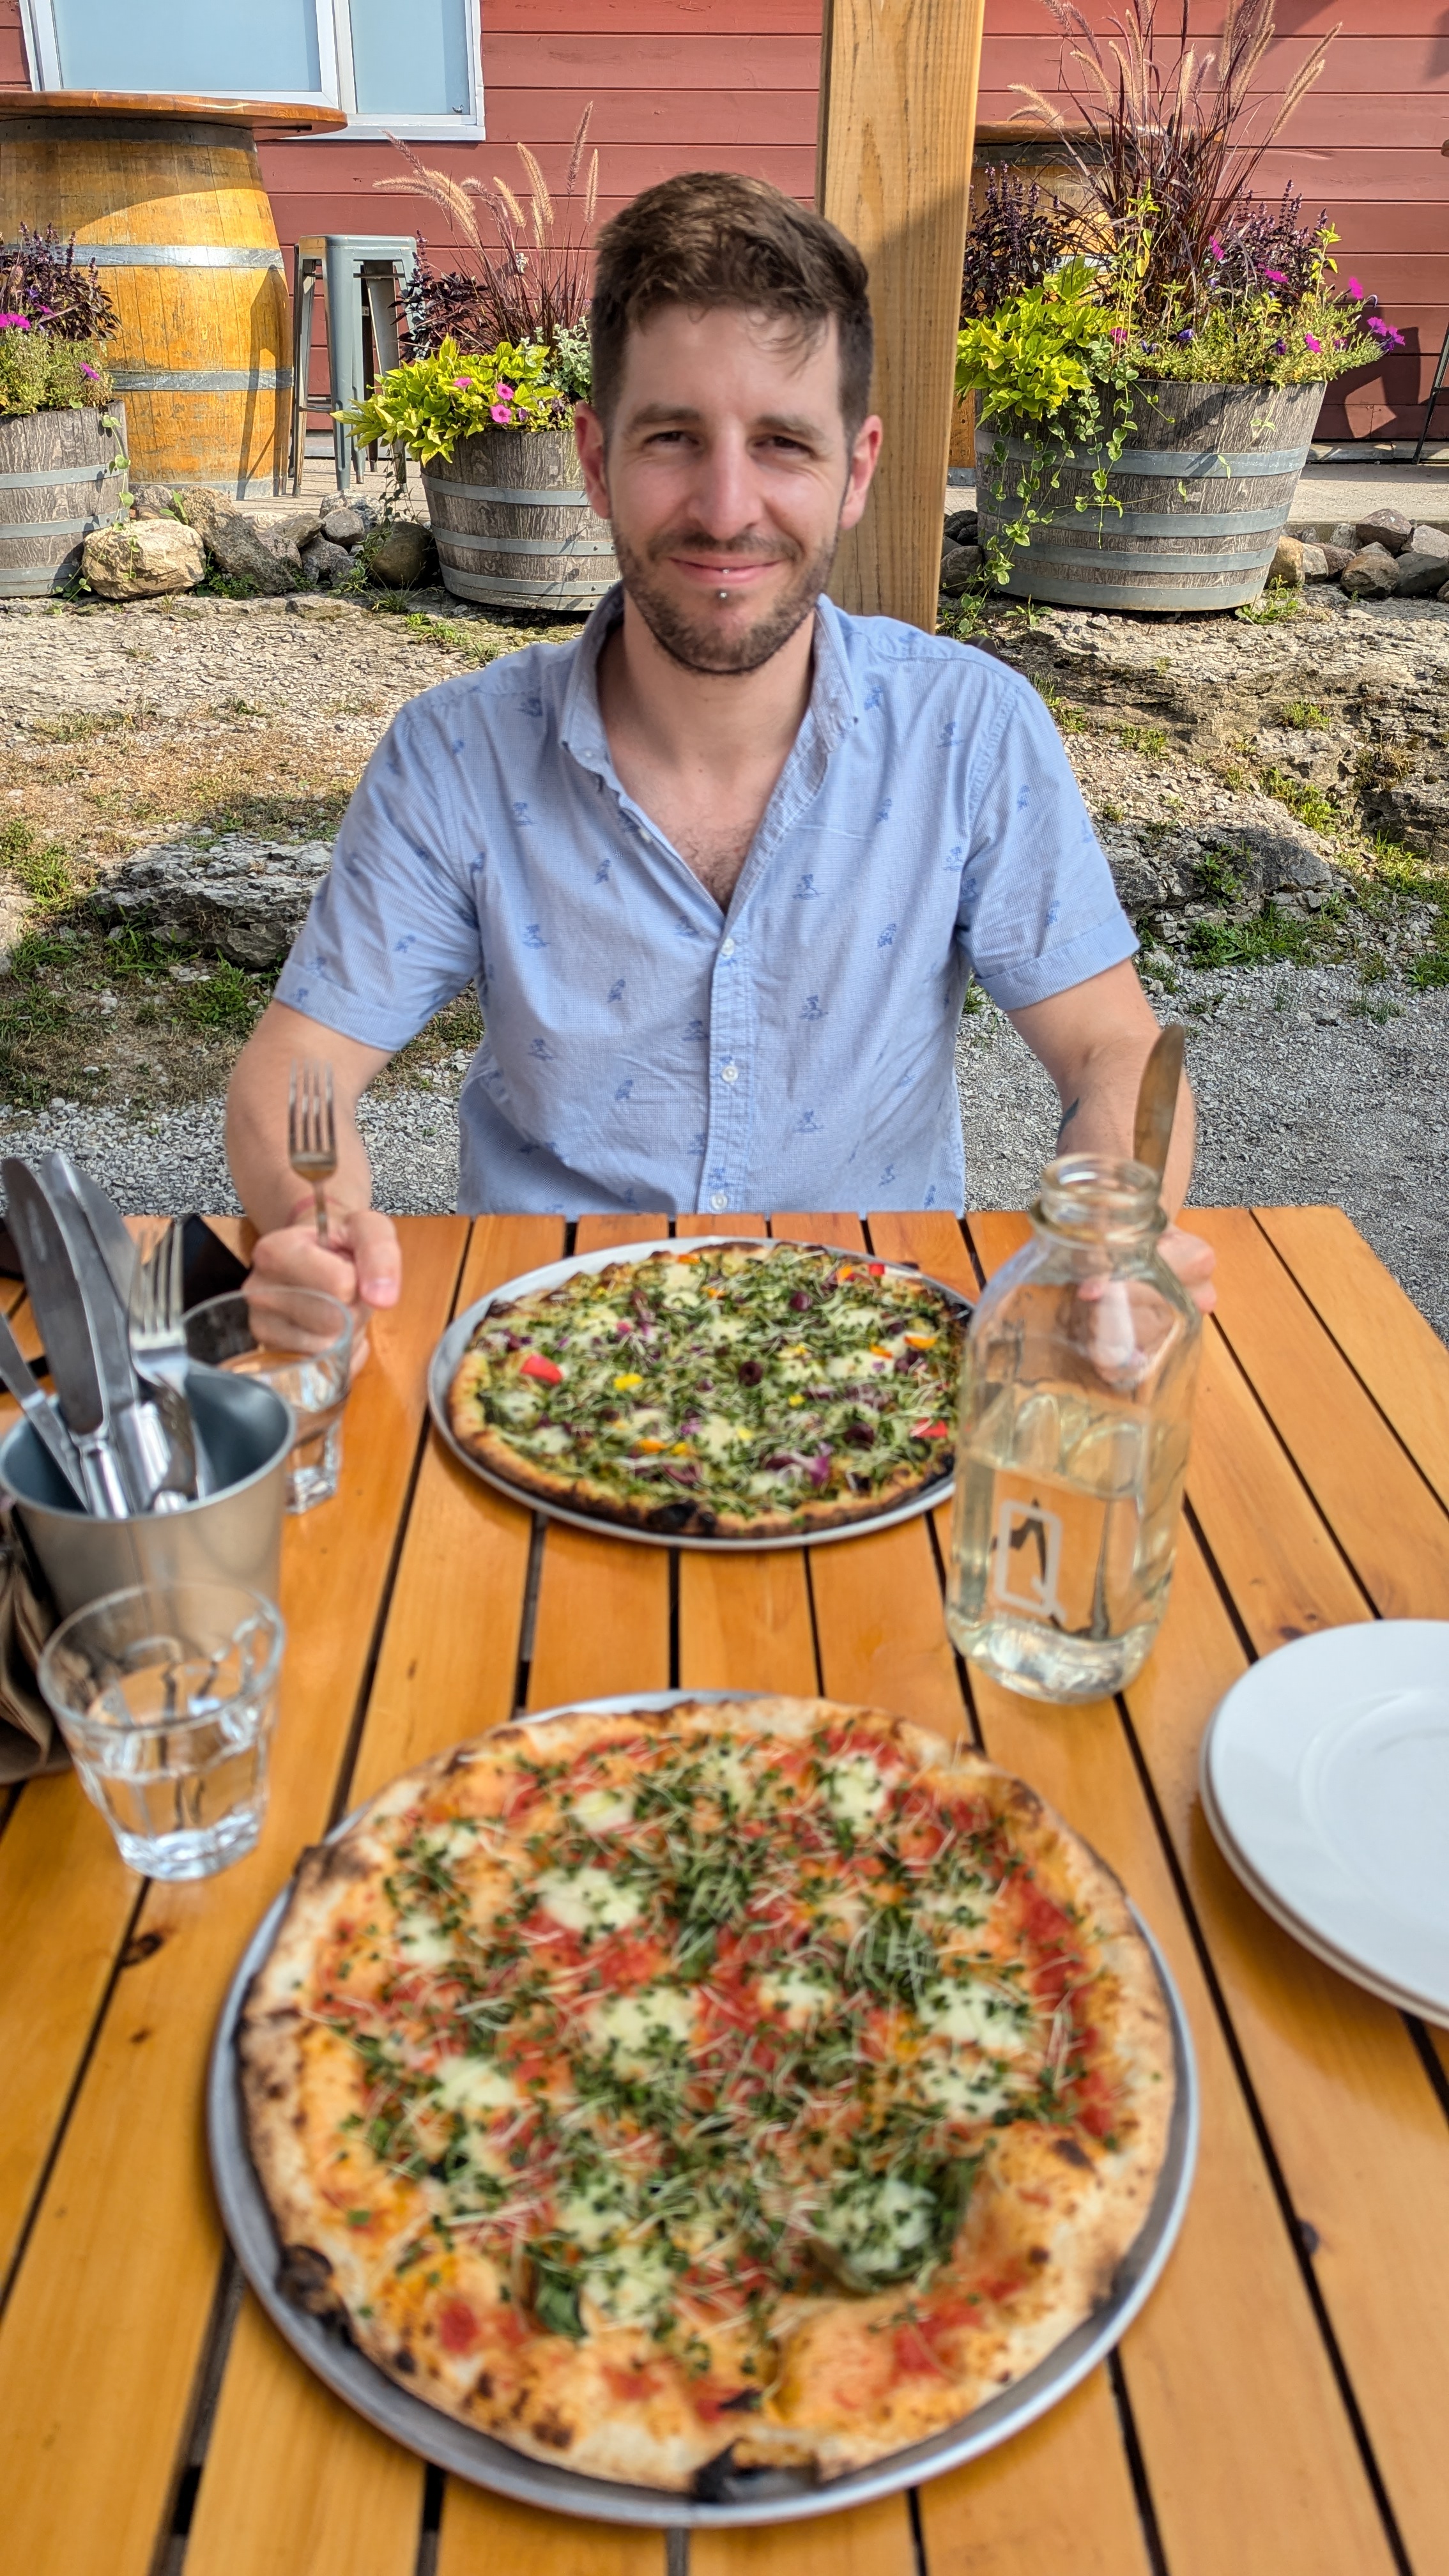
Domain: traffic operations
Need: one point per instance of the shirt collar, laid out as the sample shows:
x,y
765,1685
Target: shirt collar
x,y
833,706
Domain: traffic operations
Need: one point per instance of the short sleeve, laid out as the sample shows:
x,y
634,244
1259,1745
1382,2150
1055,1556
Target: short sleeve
x,y
392,933
1039,911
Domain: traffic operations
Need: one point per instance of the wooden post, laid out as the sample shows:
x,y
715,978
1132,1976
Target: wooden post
x,y
898,85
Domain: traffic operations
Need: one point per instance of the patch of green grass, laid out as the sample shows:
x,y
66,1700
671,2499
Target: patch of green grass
x,y
1108,811
1309,803
1255,942
226,1001
1305,717
1066,717
76,728
1273,609
1379,1011
1149,740
1218,878
42,867
264,814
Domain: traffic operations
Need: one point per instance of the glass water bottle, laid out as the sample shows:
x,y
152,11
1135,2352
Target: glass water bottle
x,y
1076,1403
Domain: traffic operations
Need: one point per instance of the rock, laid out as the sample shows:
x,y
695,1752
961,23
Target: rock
x,y
400,558
1370,574
961,527
311,603
1286,568
142,560
325,562
247,899
1338,558
1160,872
1314,560
1423,567
1444,593
299,531
1344,537
240,547
346,526
1388,528
153,501
960,566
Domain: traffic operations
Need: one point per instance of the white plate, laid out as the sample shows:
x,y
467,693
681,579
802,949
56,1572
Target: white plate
x,y
447,1359
1310,1941
1328,1767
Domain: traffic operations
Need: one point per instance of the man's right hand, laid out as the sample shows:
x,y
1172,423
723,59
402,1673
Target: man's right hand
x,y
360,1263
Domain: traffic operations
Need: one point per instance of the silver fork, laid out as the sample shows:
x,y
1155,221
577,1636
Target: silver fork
x,y
158,1347
312,1131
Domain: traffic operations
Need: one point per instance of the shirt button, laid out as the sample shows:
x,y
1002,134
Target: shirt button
x,y
729,1073
719,1199
727,948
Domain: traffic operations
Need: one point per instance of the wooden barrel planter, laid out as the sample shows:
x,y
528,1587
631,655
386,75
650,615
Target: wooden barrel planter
x,y
1205,487
166,196
62,473
512,524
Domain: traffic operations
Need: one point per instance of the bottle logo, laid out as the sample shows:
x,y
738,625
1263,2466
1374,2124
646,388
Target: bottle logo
x,y
1027,1558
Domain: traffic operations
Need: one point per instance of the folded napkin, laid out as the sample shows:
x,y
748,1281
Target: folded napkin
x,y
31,1743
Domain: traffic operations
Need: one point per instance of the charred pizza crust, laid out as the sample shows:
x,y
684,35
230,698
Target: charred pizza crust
x,y
852,2373
890,1450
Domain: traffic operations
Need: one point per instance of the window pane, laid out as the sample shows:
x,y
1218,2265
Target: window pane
x,y
410,57
239,45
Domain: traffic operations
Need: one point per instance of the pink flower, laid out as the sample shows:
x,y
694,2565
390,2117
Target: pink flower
x,y
503,413
462,384
503,391
14,322
1310,343
1355,290
1274,276
1215,246
94,373
1384,331
1117,334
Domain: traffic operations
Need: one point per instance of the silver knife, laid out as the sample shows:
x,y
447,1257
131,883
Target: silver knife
x,y
39,1412
135,1428
167,1445
1157,1100
63,1316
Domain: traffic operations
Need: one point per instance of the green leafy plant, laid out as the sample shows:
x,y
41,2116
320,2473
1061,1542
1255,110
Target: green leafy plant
x,y
42,867
427,404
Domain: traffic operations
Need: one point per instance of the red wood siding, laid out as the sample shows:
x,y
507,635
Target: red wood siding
x,y
691,84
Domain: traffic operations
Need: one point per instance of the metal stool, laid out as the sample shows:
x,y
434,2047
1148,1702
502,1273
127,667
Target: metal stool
x,y
1434,389
362,273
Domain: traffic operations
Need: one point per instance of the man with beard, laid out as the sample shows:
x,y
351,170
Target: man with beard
x,y
721,868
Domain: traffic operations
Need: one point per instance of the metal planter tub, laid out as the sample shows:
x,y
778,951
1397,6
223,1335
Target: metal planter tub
x,y
1205,488
512,524
62,474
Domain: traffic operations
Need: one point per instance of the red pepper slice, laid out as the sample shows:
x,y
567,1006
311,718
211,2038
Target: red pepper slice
x,y
876,1269
537,1366
930,1431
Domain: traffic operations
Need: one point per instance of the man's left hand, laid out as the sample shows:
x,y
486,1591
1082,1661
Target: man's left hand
x,y
1193,1262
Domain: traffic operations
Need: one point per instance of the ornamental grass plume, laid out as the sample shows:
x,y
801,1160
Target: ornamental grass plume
x,y
532,286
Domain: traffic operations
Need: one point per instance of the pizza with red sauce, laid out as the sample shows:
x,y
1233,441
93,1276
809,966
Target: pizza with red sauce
x,y
739,2086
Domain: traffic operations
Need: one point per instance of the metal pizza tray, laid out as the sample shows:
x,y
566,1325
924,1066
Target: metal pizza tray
x,y
757,2496
448,1355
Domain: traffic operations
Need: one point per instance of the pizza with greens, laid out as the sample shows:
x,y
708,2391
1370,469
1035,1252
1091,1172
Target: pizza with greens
x,y
737,1391
674,2095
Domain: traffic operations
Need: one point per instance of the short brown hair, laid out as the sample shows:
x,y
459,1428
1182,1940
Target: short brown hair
x,y
713,238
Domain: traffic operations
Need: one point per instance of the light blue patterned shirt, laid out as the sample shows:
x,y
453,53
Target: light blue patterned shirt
x,y
644,1050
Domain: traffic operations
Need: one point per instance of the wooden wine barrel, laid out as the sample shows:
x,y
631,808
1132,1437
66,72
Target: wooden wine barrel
x,y
512,525
166,196
62,473
1205,489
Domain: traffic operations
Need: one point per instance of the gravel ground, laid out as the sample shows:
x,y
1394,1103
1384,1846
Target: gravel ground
x,y
1302,1099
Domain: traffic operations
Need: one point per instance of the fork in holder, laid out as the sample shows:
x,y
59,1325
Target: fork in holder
x,y
158,1347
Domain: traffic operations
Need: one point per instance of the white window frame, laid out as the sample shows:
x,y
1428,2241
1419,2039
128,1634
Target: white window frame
x,y
334,54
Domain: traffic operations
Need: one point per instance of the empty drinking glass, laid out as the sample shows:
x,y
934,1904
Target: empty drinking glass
x,y
300,1343
166,1694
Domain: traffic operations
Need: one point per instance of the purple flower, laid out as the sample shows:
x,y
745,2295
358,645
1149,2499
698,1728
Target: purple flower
x,y
1310,343
1384,332
1280,348
1188,334
1274,276
14,321
1355,290
94,373
1215,246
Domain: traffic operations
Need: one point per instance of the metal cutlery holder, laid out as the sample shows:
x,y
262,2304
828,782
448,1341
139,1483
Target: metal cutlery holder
x,y
235,1532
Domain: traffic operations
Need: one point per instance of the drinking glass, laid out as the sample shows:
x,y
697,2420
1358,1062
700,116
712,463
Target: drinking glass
x,y
166,1695
299,1342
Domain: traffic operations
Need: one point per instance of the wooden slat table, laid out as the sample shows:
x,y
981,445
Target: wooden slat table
x,y
1279,2407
